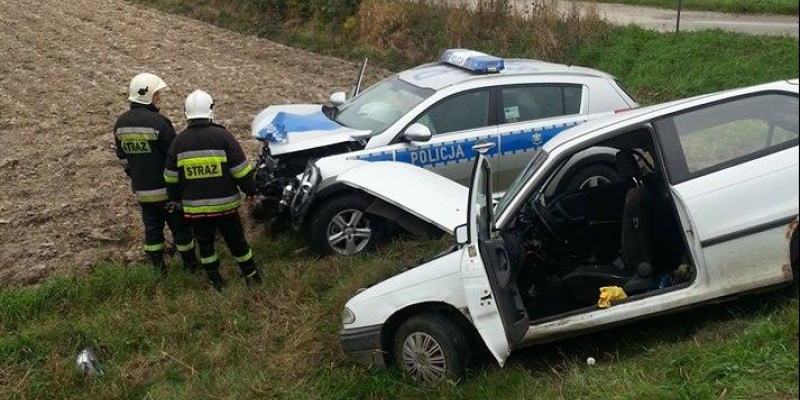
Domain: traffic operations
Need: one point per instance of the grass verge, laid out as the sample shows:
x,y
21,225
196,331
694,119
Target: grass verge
x,y
176,339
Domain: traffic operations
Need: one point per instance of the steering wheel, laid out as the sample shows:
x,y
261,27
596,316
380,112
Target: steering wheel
x,y
548,221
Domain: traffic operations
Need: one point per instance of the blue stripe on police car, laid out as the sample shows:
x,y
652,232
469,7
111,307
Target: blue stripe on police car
x,y
447,153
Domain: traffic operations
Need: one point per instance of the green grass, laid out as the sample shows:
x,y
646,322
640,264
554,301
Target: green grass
x,y
659,67
787,7
177,339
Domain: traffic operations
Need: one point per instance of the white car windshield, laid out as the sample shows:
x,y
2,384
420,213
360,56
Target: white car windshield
x,y
382,105
537,160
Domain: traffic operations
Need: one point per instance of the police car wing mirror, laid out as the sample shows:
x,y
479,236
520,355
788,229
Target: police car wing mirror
x,y
338,99
418,133
462,235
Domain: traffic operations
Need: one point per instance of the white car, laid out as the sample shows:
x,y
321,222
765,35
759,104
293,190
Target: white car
x,y
707,210
428,117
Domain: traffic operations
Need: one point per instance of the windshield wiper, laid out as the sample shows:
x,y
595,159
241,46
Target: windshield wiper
x,y
332,112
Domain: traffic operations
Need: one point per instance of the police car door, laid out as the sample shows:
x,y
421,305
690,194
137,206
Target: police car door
x,y
457,124
494,306
529,116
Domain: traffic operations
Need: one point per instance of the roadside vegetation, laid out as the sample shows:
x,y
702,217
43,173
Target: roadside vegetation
x,y
785,7
175,338
397,35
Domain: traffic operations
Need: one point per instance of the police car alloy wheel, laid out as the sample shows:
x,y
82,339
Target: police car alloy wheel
x,y
340,225
349,232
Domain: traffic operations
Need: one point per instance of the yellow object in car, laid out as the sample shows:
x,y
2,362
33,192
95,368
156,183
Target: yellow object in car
x,y
611,295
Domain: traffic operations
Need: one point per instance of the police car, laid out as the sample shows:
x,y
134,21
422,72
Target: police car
x,y
428,117
707,211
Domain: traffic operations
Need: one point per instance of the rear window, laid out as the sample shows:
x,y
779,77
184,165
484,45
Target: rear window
x,y
625,90
531,103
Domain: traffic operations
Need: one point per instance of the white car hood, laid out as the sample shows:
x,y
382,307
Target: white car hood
x,y
429,196
292,128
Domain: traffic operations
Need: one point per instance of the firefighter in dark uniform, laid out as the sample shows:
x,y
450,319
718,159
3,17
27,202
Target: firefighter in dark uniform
x,y
206,168
143,138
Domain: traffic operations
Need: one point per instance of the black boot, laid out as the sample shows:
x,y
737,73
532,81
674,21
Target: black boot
x,y
215,278
254,279
190,263
252,276
157,259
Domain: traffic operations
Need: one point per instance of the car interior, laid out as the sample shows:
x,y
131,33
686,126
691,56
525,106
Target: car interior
x,y
565,245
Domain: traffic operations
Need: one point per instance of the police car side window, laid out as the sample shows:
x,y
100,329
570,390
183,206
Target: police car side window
x,y
530,103
458,113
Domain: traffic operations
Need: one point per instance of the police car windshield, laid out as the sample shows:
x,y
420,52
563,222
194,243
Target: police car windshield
x,y
382,105
537,160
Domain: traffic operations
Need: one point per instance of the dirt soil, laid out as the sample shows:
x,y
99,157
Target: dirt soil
x,y
65,204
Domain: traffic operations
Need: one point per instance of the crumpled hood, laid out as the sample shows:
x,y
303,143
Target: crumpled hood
x,y
292,128
430,197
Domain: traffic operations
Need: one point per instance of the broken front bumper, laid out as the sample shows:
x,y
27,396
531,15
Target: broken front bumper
x,y
303,194
288,197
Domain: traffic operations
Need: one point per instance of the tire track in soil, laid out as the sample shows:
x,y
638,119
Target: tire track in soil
x,y
64,203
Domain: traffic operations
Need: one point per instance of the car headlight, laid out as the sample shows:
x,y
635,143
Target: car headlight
x,y
348,318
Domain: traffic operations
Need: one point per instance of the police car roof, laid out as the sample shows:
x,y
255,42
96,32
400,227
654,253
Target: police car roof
x,y
439,75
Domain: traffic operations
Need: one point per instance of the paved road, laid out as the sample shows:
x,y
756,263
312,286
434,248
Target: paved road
x,y
665,20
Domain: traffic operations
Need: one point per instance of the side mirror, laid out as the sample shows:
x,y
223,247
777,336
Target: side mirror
x,y
462,235
338,98
418,133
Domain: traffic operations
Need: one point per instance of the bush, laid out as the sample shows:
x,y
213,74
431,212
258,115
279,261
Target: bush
x,y
420,29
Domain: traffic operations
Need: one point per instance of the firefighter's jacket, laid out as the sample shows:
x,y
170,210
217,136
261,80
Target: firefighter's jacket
x,y
205,170
143,138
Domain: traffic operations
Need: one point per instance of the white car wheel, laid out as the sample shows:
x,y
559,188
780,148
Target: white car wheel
x,y
431,349
423,358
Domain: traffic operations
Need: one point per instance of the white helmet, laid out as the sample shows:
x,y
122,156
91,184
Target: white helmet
x,y
199,105
144,87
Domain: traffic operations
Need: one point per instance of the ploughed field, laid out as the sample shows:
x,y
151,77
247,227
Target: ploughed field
x,y
64,202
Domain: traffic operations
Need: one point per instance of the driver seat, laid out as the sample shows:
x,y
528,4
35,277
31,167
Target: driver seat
x,y
634,270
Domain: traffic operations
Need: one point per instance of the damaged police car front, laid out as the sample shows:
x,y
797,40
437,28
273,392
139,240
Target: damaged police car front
x,y
429,117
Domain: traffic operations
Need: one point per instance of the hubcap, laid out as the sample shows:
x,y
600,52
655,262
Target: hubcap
x,y
423,358
349,232
595,181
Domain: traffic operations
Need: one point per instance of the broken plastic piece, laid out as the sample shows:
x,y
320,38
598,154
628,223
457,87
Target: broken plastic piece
x,y
610,295
88,364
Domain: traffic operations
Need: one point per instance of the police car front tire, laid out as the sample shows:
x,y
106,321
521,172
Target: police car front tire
x,y
342,226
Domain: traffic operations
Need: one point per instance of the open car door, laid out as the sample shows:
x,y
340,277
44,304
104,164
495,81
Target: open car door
x,y
494,303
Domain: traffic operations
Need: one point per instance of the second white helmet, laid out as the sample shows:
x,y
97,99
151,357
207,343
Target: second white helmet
x,y
199,105
143,87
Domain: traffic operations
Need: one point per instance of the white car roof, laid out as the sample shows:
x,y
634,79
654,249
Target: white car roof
x,y
438,76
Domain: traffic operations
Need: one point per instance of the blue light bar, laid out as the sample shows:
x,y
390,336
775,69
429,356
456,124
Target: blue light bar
x,y
474,61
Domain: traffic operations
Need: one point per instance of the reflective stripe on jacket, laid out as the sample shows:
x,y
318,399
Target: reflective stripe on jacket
x,y
143,138
205,170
